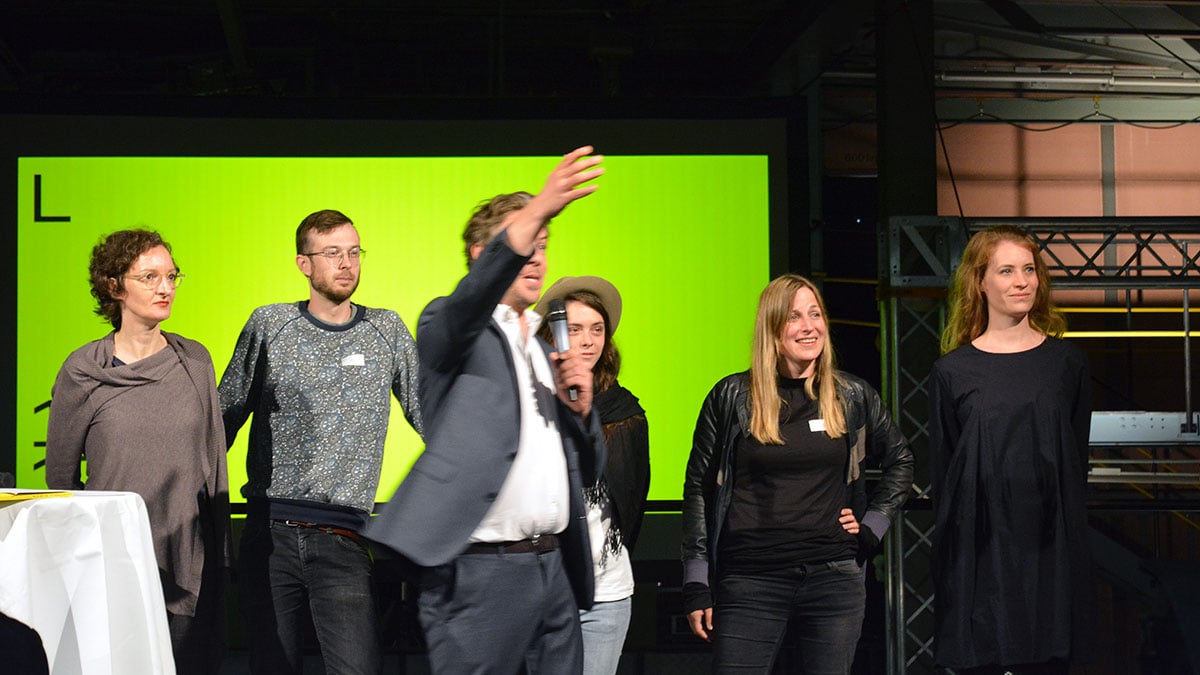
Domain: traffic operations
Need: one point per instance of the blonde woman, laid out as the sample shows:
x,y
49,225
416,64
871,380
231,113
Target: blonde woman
x,y
777,516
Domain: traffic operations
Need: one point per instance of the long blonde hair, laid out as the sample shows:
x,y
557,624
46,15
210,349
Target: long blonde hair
x,y
968,308
774,307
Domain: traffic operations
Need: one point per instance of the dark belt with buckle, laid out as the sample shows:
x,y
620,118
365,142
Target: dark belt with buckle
x,y
328,529
542,543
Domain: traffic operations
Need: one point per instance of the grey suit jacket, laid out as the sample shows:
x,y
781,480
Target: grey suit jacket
x,y
472,425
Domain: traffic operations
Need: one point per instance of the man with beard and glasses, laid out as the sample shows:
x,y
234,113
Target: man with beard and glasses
x,y
316,375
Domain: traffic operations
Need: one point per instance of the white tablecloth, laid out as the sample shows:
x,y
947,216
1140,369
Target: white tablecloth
x,y
81,571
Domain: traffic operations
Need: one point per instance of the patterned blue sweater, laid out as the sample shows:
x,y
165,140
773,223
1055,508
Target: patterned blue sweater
x,y
320,398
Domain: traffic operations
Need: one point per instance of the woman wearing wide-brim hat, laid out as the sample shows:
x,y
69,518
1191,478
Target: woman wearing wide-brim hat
x,y
616,501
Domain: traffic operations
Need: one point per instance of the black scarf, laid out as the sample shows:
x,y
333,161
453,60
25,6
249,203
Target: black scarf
x,y
625,478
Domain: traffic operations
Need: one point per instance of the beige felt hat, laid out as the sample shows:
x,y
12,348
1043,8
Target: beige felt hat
x,y
600,287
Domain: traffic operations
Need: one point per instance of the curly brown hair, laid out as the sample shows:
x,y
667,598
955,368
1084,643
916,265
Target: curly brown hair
x,y
111,259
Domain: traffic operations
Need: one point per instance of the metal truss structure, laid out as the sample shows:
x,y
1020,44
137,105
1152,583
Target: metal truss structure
x,y
1121,257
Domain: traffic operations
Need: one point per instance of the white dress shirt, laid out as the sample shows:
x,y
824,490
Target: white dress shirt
x,y
534,499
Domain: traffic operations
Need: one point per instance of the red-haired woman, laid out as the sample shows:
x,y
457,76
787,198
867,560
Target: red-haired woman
x,y
1010,407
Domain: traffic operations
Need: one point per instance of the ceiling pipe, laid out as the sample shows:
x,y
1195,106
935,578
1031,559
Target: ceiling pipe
x,y
1110,81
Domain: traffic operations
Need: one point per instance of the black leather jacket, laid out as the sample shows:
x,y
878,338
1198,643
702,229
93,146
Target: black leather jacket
x,y
724,417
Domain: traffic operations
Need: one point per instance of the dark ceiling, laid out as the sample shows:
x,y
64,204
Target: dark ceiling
x,y
1138,52
376,49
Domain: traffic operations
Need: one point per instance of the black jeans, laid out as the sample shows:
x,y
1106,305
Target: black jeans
x,y
289,572
823,603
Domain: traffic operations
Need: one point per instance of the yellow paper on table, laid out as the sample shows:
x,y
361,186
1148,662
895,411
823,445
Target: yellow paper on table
x,y
22,495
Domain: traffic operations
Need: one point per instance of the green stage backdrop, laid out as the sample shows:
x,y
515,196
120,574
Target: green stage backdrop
x,y
685,239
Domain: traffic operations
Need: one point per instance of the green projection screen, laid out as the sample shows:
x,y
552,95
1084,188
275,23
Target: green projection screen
x,y
684,236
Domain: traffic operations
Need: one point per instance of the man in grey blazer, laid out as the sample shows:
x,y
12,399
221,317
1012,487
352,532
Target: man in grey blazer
x,y
493,510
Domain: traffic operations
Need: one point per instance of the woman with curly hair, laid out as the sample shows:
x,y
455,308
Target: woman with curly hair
x,y
140,406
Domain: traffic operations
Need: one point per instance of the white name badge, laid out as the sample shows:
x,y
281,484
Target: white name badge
x,y
354,360
816,425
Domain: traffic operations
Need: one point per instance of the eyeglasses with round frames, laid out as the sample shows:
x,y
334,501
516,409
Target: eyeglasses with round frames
x,y
334,255
151,280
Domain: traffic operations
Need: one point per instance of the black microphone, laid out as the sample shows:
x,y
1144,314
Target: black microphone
x,y
557,316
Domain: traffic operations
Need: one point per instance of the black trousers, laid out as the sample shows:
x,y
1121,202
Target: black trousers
x,y
501,613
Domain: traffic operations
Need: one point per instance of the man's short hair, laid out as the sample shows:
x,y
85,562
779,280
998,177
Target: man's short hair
x,y
485,222
322,221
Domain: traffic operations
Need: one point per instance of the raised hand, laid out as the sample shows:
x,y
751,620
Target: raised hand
x,y
566,182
